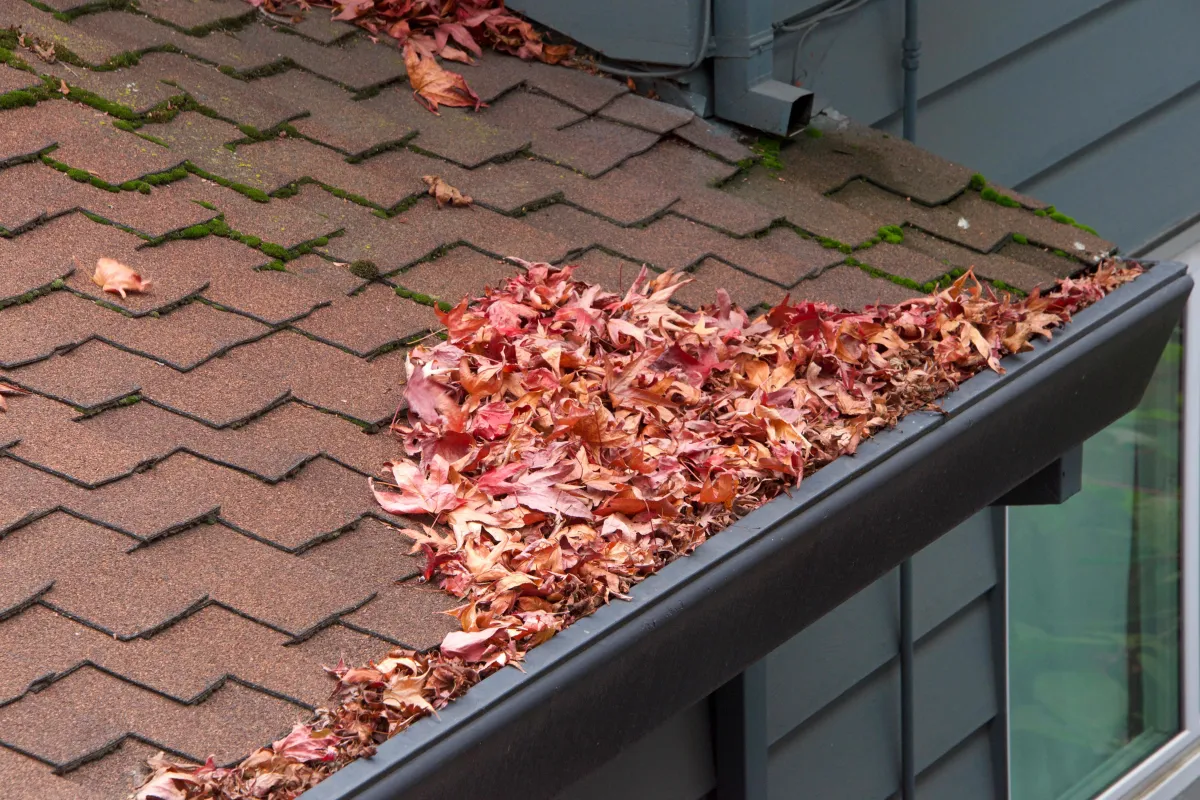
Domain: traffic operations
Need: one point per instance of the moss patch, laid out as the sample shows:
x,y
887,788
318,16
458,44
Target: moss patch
x,y
768,151
892,234
367,270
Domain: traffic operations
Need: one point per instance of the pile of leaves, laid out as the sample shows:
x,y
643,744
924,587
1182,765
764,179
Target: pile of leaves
x,y
454,30
564,443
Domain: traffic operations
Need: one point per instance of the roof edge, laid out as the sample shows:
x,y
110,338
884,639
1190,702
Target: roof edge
x,y
702,619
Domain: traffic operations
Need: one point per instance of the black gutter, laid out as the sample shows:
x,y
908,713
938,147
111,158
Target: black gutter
x,y
614,676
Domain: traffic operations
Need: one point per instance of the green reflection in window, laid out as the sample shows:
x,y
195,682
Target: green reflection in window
x,y
1094,607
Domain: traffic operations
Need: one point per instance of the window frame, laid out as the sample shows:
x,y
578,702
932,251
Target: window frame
x,y
1176,764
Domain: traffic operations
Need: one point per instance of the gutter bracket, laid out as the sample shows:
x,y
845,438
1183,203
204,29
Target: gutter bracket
x,y
1052,485
744,90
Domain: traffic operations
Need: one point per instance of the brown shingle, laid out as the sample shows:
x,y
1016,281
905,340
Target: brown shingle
x,y
852,288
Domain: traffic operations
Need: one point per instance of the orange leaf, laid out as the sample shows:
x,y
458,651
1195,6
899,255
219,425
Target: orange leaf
x,y
113,276
434,86
722,490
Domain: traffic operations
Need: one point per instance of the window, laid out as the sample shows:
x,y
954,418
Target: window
x,y
1094,607
1104,605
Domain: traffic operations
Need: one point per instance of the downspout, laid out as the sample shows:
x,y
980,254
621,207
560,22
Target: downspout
x,y
744,89
911,47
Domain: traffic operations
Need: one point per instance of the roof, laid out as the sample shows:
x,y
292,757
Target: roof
x,y
186,531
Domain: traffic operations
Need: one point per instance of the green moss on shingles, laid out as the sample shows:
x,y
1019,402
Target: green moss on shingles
x,y
1007,287
1061,254
978,182
813,133
275,251
907,283
892,234
416,297
768,151
274,266
205,204
367,270
1020,238
18,98
257,195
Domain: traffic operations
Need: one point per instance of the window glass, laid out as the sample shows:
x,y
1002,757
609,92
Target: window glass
x,y
1094,607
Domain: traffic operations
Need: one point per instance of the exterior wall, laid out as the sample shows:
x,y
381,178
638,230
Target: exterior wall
x,y
1088,104
833,717
832,695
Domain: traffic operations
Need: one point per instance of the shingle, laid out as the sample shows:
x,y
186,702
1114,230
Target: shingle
x,y
194,13
408,614
334,118
588,93
593,146
102,708
745,290
365,322
641,112
828,162
851,288
12,79
805,208
713,139
461,273
460,135
905,262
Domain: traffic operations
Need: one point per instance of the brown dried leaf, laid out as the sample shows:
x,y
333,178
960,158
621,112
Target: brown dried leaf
x,y
445,194
434,86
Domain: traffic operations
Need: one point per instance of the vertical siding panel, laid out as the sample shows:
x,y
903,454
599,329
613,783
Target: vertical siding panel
x,y
851,748
673,762
845,646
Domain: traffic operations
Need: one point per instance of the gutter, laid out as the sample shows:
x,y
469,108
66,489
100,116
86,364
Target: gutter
x,y
616,675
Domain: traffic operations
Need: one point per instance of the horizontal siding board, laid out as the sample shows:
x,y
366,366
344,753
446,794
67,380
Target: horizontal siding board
x,y
851,748
855,639
854,61
659,31
1073,89
673,762
965,772
1137,184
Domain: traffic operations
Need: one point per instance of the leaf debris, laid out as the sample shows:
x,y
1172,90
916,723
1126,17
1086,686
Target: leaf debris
x,y
116,278
445,194
453,30
564,443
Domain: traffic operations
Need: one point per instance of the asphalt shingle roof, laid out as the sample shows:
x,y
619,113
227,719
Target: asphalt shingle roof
x,y
186,532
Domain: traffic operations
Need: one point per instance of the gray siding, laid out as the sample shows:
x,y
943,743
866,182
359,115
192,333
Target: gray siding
x,y
673,762
1086,104
833,709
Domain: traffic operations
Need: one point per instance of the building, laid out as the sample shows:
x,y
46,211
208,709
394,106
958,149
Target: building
x,y
1048,522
